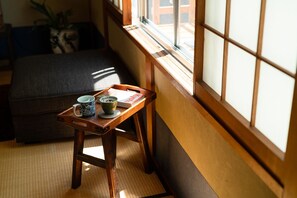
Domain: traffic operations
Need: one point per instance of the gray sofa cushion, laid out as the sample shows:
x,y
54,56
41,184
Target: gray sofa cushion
x,y
49,83
45,85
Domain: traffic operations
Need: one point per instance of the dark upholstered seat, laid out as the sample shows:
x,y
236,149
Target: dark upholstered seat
x,y
45,85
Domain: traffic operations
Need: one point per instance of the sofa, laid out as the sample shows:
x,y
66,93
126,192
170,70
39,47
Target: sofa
x,y
45,85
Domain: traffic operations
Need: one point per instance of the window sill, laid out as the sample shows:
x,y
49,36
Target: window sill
x,y
161,58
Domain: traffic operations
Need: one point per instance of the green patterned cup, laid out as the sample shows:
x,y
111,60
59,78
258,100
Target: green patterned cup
x,y
108,104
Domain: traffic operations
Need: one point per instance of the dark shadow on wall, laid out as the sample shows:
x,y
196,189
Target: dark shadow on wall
x,y
177,167
28,41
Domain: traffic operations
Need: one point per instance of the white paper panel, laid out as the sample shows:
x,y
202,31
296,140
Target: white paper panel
x,y
244,22
240,80
280,33
215,14
213,61
274,105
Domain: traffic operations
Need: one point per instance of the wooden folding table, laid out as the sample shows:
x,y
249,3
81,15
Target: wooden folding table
x,y
106,129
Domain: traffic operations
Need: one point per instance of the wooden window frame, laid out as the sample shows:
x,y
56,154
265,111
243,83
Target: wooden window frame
x,y
266,153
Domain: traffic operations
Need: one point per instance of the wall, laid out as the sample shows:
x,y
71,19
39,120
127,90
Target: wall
x,y
196,131
96,14
175,164
18,12
28,42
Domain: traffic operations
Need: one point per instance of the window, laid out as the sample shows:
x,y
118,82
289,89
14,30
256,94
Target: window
x,y
246,71
172,23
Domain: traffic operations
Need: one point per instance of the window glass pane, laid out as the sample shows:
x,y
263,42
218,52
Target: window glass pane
x,y
162,17
240,80
244,22
135,9
187,27
280,33
120,4
215,14
274,105
185,2
116,3
213,61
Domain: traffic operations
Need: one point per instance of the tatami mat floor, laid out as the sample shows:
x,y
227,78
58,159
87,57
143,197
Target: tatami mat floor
x,y
44,170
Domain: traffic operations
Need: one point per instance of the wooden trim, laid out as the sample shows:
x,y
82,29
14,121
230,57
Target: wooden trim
x,y
255,93
237,44
199,42
253,140
225,53
290,181
149,73
224,71
150,109
258,62
127,12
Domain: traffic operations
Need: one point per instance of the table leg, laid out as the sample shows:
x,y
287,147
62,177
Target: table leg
x,y
77,164
109,147
142,139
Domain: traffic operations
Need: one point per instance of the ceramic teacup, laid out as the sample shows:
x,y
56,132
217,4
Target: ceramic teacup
x,y
86,106
108,104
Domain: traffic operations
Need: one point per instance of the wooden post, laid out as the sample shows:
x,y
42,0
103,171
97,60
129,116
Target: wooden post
x,y
290,180
127,12
150,109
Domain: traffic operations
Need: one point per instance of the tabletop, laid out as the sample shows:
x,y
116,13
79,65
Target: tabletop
x,y
100,126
